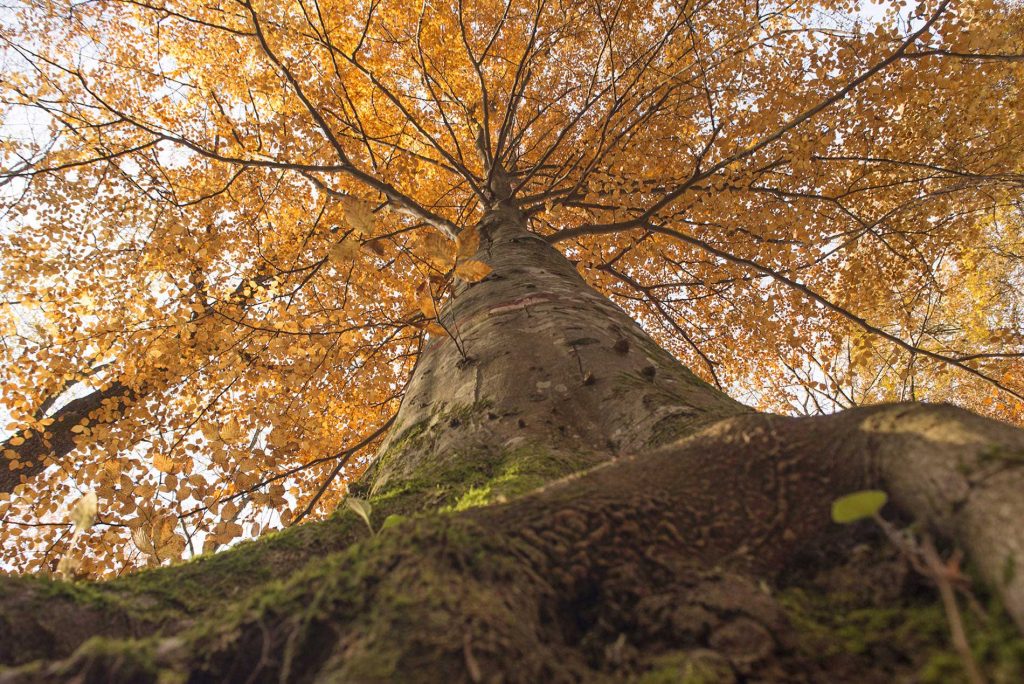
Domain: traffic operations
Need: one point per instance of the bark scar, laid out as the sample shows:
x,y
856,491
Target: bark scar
x,y
520,304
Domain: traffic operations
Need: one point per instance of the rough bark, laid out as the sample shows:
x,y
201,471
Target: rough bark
x,y
559,500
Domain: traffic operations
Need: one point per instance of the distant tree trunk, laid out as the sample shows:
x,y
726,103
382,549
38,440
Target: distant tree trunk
x,y
561,500
32,451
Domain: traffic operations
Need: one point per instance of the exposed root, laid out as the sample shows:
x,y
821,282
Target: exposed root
x,y
654,568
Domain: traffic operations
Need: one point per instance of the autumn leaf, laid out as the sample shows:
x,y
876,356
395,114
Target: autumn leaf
x,y
159,540
142,541
374,247
83,513
231,430
436,250
344,251
359,216
112,469
164,267
467,243
425,301
472,271
167,543
163,462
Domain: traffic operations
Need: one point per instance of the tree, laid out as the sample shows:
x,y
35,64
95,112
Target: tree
x,y
259,242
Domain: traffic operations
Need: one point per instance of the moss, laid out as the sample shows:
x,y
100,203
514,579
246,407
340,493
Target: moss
x,y
698,666
479,477
224,594
343,572
914,627
517,472
418,437
382,607
190,585
104,659
381,591
997,644
411,437
401,600
208,582
1001,454
78,592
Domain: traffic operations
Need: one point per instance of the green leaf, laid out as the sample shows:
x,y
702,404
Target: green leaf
x,y
362,508
392,520
857,506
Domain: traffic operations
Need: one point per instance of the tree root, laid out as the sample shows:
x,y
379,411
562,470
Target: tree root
x,y
664,562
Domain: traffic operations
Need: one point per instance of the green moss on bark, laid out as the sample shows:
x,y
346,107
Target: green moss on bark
x,y
910,635
474,476
697,666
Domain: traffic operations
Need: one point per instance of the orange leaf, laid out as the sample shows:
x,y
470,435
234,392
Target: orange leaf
x,y
425,300
467,243
344,252
163,463
472,271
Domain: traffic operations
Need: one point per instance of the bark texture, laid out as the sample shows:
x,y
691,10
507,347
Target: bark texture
x,y
536,356
668,559
560,500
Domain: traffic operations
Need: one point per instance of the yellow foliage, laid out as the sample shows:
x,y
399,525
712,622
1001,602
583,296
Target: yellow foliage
x,y
237,245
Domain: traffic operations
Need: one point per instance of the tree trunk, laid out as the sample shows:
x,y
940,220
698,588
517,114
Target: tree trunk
x,y
32,452
536,359
560,500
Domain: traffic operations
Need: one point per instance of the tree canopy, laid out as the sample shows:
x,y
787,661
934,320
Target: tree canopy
x,y
228,226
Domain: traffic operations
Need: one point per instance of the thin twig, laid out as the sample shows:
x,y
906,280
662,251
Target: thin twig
x,y
941,574
344,455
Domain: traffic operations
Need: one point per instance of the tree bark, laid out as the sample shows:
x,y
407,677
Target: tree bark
x,y
534,356
34,451
561,500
